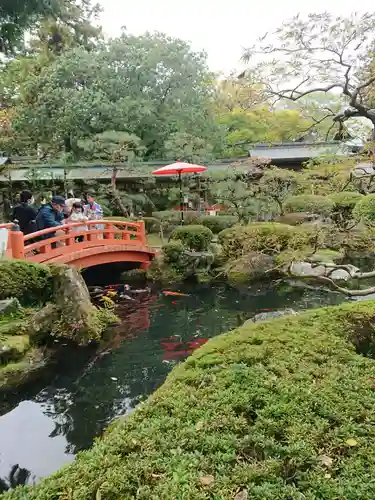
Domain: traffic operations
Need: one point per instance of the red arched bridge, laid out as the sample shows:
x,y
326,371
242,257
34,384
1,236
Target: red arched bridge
x,y
102,242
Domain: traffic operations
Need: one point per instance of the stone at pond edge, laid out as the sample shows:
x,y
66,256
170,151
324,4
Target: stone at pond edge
x,y
270,315
17,373
9,306
308,269
72,315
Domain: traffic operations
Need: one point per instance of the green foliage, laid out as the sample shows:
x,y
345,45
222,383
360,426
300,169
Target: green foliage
x,y
29,283
263,237
314,204
172,252
289,396
265,125
344,204
218,223
277,184
365,210
346,201
194,237
85,93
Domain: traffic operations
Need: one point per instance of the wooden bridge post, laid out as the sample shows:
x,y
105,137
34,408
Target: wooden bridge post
x,y
17,243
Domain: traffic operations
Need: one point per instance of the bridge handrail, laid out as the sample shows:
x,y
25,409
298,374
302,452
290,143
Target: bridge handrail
x,y
139,226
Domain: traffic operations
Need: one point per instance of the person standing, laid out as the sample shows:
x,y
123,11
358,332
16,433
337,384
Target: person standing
x,y
77,215
25,214
93,210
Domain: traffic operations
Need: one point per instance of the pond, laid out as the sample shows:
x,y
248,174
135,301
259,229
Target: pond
x,y
45,424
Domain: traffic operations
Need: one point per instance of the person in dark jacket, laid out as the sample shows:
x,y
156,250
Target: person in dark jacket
x,y
25,214
51,215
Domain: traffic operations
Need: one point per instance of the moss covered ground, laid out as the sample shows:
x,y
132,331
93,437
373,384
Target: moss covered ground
x,y
282,409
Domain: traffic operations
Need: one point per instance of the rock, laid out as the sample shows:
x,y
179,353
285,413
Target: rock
x,y
363,170
9,306
251,267
72,315
308,269
270,315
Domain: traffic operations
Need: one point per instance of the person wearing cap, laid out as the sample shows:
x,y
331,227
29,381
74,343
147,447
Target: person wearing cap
x,y
51,215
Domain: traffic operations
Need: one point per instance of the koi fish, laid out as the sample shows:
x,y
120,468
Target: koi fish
x,y
170,346
196,343
175,355
175,294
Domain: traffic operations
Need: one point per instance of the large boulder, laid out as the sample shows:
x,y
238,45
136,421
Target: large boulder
x,y
71,315
9,306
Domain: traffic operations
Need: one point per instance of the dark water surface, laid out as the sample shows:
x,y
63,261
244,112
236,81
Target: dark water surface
x,y
43,426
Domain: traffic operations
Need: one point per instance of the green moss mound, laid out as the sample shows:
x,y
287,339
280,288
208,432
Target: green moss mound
x,y
282,409
29,283
218,223
321,205
194,237
266,237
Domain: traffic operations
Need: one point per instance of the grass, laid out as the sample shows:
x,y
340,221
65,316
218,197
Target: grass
x,y
277,410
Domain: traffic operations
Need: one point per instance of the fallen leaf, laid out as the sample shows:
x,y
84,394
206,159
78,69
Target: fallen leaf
x,y
157,476
327,476
199,425
351,442
242,495
206,480
326,460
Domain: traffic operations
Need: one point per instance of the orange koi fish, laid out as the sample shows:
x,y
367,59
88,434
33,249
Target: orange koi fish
x,y
175,294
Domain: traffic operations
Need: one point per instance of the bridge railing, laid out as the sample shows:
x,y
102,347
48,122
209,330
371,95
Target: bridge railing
x,y
70,237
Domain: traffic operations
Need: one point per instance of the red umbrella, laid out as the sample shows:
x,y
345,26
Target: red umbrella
x,y
180,168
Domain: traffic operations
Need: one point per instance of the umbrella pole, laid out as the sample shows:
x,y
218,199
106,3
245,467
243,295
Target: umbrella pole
x,y
181,199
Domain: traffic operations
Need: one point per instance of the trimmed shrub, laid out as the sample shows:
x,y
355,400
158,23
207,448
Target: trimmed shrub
x,y
316,204
346,200
173,251
344,204
365,210
264,237
281,409
218,223
28,282
194,237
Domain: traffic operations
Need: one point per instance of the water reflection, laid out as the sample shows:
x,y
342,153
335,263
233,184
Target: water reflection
x,y
17,477
46,426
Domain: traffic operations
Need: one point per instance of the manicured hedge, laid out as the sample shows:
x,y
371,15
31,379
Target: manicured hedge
x,y
194,237
270,238
218,223
28,282
277,410
310,203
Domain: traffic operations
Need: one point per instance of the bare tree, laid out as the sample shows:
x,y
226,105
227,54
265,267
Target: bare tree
x,y
320,54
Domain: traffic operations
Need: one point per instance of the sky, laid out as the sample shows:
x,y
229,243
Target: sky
x,y
220,27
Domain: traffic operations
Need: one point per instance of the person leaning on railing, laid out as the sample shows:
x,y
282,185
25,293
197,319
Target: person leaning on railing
x,y
51,215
